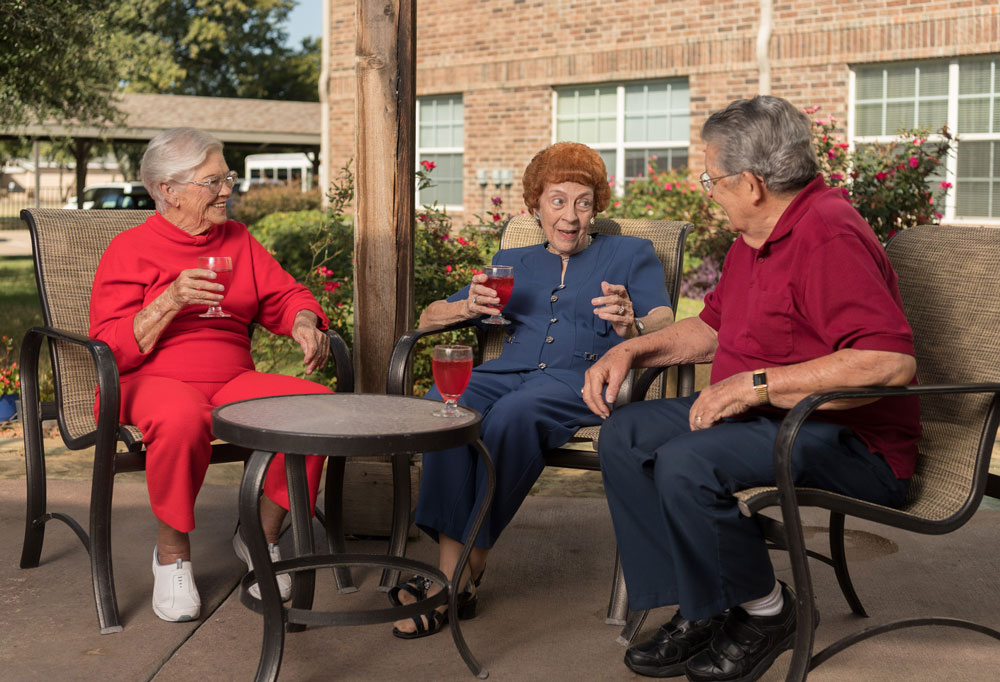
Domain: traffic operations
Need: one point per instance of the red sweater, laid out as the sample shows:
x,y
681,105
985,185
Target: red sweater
x,y
142,262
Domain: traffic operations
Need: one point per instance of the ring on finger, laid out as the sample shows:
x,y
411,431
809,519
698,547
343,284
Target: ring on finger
x,y
475,300
621,309
697,419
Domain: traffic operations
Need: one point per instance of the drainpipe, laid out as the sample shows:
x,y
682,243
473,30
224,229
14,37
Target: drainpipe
x,y
324,109
763,47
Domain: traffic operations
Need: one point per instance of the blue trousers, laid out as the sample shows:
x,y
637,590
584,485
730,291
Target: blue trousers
x,y
680,534
524,414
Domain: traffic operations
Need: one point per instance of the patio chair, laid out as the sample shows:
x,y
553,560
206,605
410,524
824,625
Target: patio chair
x,y
67,247
581,451
949,279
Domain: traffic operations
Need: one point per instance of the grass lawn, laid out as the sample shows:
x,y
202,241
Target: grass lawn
x,y
20,306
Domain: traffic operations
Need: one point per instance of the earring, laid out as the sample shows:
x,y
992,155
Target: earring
x,y
538,218
591,221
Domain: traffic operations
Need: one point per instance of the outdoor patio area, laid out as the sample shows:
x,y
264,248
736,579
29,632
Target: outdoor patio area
x,y
541,608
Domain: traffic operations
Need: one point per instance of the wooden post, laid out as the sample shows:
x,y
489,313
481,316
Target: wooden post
x,y
384,203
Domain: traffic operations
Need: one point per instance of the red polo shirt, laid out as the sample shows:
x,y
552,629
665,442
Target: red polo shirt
x,y
821,282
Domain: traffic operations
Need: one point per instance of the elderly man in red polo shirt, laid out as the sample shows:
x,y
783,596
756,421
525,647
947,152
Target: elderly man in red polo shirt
x,y
807,301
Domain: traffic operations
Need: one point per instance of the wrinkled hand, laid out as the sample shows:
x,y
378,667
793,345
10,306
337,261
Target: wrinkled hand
x,y
610,371
728,398
481,297
615,307
194,287
315,345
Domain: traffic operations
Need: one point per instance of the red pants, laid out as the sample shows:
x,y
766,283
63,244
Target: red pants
x,y
175,418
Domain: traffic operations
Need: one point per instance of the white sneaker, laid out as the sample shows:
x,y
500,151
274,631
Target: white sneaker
x,y
175,596
284,580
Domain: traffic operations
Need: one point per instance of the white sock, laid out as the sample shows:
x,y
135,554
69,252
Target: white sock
x,y
768,605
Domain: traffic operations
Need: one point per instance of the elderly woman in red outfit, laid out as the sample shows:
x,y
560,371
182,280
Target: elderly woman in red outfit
x,y
176,366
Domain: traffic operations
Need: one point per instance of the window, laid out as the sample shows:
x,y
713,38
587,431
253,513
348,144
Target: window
x,y
963,94
440,140
630,125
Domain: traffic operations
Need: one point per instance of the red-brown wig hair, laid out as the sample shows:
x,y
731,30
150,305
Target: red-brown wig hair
x,y
566,162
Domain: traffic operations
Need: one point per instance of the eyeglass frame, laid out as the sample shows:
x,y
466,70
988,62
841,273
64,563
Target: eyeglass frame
x,y
707,182
229,179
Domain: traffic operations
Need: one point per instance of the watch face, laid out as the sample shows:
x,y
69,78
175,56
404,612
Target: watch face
x,y
640,326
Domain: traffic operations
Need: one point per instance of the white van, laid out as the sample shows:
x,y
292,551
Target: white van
x,y
277,169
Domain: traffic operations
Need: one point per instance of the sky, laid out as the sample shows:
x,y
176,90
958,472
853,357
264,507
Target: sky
x,y
305,19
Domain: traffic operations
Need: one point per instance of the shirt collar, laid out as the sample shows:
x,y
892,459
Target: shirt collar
x,y
795,210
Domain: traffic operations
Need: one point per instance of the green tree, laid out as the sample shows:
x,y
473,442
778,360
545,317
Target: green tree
x,y
56,61
218,48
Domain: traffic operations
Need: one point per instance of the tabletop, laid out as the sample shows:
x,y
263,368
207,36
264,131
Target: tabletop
x,y
342,424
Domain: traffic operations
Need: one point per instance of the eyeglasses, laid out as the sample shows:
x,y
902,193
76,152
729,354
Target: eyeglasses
x,y
707,182
215,184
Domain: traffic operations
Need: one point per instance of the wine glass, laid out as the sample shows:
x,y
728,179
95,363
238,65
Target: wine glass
x,y
452,367
500,278
222,266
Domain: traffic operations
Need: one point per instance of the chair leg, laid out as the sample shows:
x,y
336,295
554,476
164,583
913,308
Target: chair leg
x,y
34,464
618,603
334,517
839,557
102,572
400,517
632,627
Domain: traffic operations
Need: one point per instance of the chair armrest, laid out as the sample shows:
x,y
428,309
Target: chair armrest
x,y
794,540
342,360
399,361
685,381
107,381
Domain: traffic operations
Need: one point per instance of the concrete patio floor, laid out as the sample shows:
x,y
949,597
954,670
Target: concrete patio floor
x,y
541,606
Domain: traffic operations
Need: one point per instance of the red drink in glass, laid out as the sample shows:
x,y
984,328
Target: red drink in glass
x,y
452,376
503,286
500,278
452,367
222,266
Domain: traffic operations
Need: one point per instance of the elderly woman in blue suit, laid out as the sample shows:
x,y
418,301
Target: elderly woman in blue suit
x,y
575,296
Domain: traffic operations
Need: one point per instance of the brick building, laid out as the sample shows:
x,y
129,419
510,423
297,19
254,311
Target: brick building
x,y
498,80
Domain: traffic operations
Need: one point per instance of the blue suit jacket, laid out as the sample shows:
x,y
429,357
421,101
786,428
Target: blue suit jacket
x,y
554,328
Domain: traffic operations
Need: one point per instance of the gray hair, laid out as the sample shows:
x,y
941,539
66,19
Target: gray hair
x,y
172,156
767,136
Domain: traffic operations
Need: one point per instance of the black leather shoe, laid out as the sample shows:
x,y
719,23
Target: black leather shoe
x,y
746,646
665,653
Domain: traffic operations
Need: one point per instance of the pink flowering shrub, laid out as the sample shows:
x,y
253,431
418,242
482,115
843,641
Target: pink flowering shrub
x,y
10,375
889,183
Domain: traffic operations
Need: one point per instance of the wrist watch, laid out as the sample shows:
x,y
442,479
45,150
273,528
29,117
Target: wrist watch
x,y
760,386
640,328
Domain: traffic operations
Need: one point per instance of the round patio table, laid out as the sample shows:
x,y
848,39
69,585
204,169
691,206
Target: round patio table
x,y
336,425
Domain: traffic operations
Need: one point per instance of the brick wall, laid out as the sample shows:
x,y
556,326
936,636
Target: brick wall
x,y
505,56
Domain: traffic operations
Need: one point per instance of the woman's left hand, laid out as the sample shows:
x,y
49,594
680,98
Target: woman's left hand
x,y
616,307
315,346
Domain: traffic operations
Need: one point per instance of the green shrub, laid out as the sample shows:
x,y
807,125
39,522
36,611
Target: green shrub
x,y
263,200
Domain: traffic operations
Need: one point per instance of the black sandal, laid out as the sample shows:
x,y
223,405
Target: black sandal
x,y
416,587
435,621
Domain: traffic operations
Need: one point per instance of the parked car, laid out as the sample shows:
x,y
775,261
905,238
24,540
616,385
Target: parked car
x,y
114,195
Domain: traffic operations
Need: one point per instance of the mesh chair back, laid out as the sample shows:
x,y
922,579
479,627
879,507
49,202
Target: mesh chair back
x,y
67,247
668,242
949,278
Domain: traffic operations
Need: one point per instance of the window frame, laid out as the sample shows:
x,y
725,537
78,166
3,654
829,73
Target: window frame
x,y
620,146
430,151
951,162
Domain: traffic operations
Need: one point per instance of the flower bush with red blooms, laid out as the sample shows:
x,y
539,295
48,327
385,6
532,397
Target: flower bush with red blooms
x,y
318,249
10,375
889,183
677,195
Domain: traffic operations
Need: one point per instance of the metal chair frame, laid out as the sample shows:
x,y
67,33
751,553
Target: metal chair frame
x,y
488,345
107,432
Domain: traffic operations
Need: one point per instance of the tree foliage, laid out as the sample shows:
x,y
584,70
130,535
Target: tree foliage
x,y
56,61
217,48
